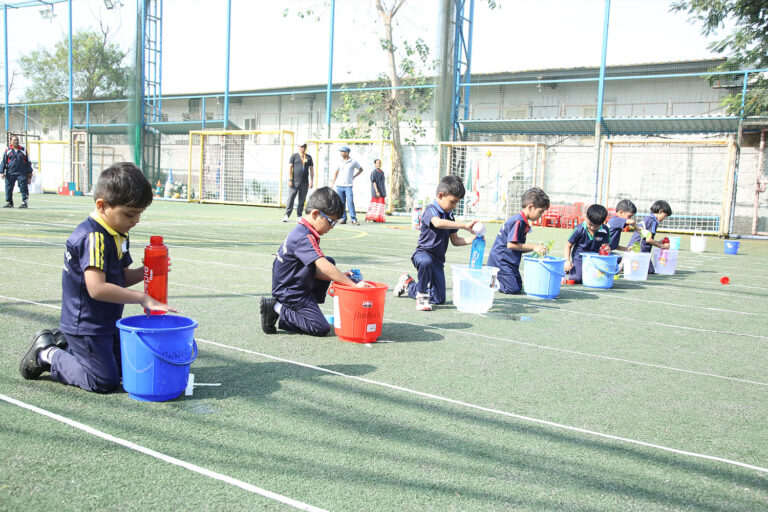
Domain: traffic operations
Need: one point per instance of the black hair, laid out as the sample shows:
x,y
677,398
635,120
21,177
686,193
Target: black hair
x,y
123,184
596,214
661,206
625,205
327,201
535,196
451,185
376,160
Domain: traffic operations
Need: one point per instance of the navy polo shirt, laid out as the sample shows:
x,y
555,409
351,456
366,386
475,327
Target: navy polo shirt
x,y
432,240
584,241
514,230
293,271
651,224
93,244
615,227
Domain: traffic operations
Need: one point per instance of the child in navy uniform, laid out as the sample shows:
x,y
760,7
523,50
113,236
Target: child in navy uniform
x,y
301,273
510,245
660,210
625,211
86,351
437,227
588,236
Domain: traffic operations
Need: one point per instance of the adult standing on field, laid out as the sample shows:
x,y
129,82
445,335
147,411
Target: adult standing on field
x,y
346,174
16,167
301,173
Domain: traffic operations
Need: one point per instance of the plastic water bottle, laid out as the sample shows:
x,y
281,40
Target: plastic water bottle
x,y
416,216
548,245
156,271
605,250
356,275
478,251
636,247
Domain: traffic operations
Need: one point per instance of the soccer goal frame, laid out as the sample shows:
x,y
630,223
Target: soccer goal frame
x,y
495,174
695,176
238,166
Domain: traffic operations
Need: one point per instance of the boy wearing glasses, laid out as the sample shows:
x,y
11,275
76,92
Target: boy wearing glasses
x,y
589,236
301,273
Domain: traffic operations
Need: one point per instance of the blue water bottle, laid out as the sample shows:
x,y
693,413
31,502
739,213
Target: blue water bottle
x,y
356,275
478,246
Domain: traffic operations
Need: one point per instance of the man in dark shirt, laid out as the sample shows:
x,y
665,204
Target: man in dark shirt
x,y
16,167
300,176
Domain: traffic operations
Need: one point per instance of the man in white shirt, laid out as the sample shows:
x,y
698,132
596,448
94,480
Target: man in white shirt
x,y
346,174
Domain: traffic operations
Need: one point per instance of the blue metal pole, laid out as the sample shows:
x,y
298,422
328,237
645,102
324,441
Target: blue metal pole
x,y
70,64
5,47
330,72
25,118
468,76
226,84
743,95
159,43
202,115
600,89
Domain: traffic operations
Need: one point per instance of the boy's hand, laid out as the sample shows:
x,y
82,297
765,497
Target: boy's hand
x,y
363,284
630,222
665,246
568,265
468,225
539,248
155,305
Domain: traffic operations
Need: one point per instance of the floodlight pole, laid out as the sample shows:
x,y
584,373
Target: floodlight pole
x,y
70,64
226,81
5,47
329,86
600,91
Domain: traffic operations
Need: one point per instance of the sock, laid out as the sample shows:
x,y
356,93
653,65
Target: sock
x,y
278,307
46,354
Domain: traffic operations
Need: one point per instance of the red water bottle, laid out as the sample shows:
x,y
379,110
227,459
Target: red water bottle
x,y
156,272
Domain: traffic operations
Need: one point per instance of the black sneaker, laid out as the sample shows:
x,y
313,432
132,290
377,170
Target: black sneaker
x,y
24,205
61,339
268,315
8,205
30,366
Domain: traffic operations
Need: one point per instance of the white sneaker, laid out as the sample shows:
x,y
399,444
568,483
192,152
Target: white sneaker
x,y
402,285
285,218
422,302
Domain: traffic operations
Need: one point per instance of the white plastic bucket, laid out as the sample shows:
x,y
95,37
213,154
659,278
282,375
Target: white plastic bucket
x,y
664,260
698,244
473,288
636,265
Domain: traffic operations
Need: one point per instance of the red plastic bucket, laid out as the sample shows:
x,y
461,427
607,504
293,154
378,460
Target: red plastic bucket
x,y
358,313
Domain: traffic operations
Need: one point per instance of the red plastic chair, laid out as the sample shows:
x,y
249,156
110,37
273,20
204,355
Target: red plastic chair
x,y
551,217
570,218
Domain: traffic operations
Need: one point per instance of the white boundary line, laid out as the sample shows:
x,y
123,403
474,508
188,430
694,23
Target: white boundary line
x,y
165,458
493,411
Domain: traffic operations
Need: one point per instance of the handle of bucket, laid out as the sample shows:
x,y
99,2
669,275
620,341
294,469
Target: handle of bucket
x,y
482,284
171,361
599,266
558,274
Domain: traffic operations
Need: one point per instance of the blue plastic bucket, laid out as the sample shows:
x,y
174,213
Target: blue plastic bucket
x,y
597,271
156,352
542,276
674,242
732,247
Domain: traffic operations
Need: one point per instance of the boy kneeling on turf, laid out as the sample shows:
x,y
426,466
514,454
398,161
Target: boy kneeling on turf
x,y
437,227
301,273
86,351
510,245
589,236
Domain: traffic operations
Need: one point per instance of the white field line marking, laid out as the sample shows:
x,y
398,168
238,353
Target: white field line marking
x,y
647,322
495,411
523,343
705,308
163,457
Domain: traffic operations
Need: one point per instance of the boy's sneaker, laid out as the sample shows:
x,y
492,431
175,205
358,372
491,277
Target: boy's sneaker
x,y
30,366
24,205
285,218
422,303
268,315
60,339
402,285
8,205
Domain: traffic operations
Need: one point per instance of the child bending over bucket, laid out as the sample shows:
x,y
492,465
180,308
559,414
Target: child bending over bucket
x,y
301,273
588,236
437,227
510,245
85,352
660,210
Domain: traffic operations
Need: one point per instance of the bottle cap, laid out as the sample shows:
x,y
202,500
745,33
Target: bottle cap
x,y
156,240
479,229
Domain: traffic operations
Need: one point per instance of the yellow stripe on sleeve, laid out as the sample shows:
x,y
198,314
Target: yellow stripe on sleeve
x,y
91,254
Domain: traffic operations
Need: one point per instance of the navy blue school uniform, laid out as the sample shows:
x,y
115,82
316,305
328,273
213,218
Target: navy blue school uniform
x,y
91,360
429,256
616,226
16,167
651,224
584,241
506,260
295,284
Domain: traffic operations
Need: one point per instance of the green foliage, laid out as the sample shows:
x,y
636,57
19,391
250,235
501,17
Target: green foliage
x,y
746,46
98,69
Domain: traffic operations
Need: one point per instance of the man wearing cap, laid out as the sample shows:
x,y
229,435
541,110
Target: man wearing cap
x,y
346,174
300,177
